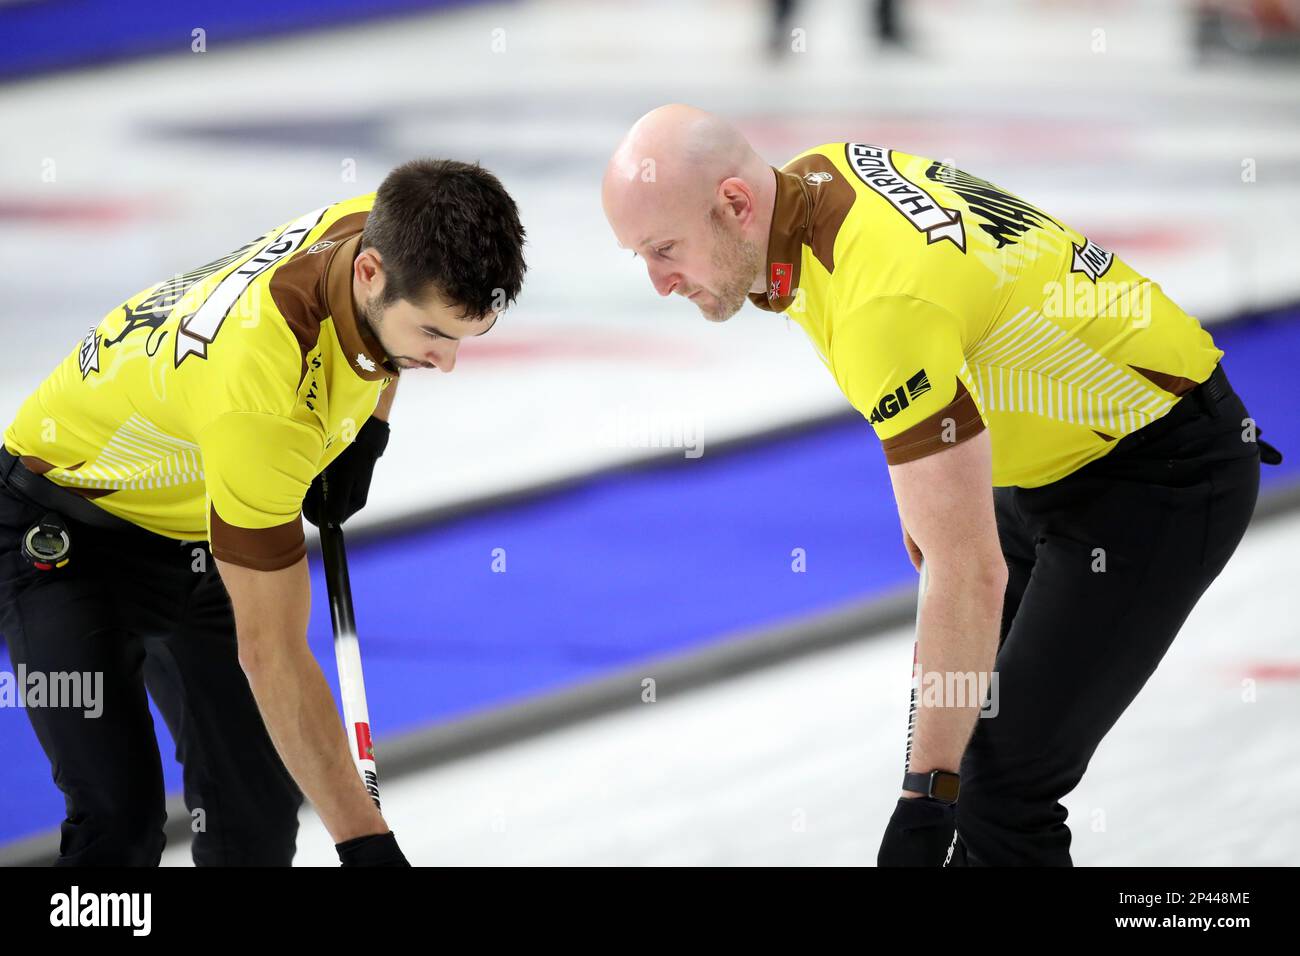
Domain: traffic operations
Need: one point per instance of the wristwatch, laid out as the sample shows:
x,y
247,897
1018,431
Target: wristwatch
x,y
940,785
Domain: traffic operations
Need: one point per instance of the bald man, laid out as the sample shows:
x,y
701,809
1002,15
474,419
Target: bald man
x,y
1064,447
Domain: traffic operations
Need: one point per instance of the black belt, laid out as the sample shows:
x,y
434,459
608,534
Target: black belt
x,y
1203,399
40,491
1212,391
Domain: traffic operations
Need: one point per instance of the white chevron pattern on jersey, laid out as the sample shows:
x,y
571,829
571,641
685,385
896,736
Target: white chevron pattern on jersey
x,y
1033,365
139,455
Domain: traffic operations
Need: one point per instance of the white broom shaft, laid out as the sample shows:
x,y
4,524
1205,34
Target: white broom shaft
x,y
352,690
347,656
916,669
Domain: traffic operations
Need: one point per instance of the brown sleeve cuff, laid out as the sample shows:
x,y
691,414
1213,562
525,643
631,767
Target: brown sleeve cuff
x,y
926,436
262,549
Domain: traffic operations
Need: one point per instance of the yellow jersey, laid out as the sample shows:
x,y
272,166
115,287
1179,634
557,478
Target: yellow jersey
x,y
203,407
944,305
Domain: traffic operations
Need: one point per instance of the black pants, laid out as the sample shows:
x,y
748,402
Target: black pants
x,y
1104,567
144,611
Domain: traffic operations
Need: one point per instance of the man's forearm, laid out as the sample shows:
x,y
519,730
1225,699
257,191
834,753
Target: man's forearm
x,y
957,646
301,717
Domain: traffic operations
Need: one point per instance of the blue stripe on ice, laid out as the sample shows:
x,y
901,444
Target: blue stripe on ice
x,y
60,34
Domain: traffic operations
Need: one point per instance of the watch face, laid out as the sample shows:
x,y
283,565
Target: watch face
x,y
46,543
945,786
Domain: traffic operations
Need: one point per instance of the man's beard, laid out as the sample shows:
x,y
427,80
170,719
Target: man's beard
x,y
739,262
371,315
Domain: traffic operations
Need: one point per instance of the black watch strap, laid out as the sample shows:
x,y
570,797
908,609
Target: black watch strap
x,y
942,785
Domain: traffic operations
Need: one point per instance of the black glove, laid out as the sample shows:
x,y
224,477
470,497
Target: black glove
x,y
1268,455
920,833
349,476
378,849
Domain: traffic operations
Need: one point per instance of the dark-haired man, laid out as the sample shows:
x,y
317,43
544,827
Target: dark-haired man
x,y
196,417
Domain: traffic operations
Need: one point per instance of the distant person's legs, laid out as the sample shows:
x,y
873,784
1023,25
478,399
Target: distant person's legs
x,y
779,41
887,27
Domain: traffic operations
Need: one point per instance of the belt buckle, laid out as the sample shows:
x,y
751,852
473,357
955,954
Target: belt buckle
x,y
1216,385
1211,391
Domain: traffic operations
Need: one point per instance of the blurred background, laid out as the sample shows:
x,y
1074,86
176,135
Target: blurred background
x,y
601,619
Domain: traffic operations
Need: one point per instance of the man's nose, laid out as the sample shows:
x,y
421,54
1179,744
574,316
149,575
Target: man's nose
x,y
444,355
664,282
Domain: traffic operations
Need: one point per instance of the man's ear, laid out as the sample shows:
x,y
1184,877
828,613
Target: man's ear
x,y
737,198
369,271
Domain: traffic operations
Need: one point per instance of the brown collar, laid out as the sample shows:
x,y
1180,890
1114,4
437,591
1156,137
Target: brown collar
x,y
364,353
791,218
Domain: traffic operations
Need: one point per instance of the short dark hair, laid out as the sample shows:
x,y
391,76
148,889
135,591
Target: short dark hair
x,y
450,227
